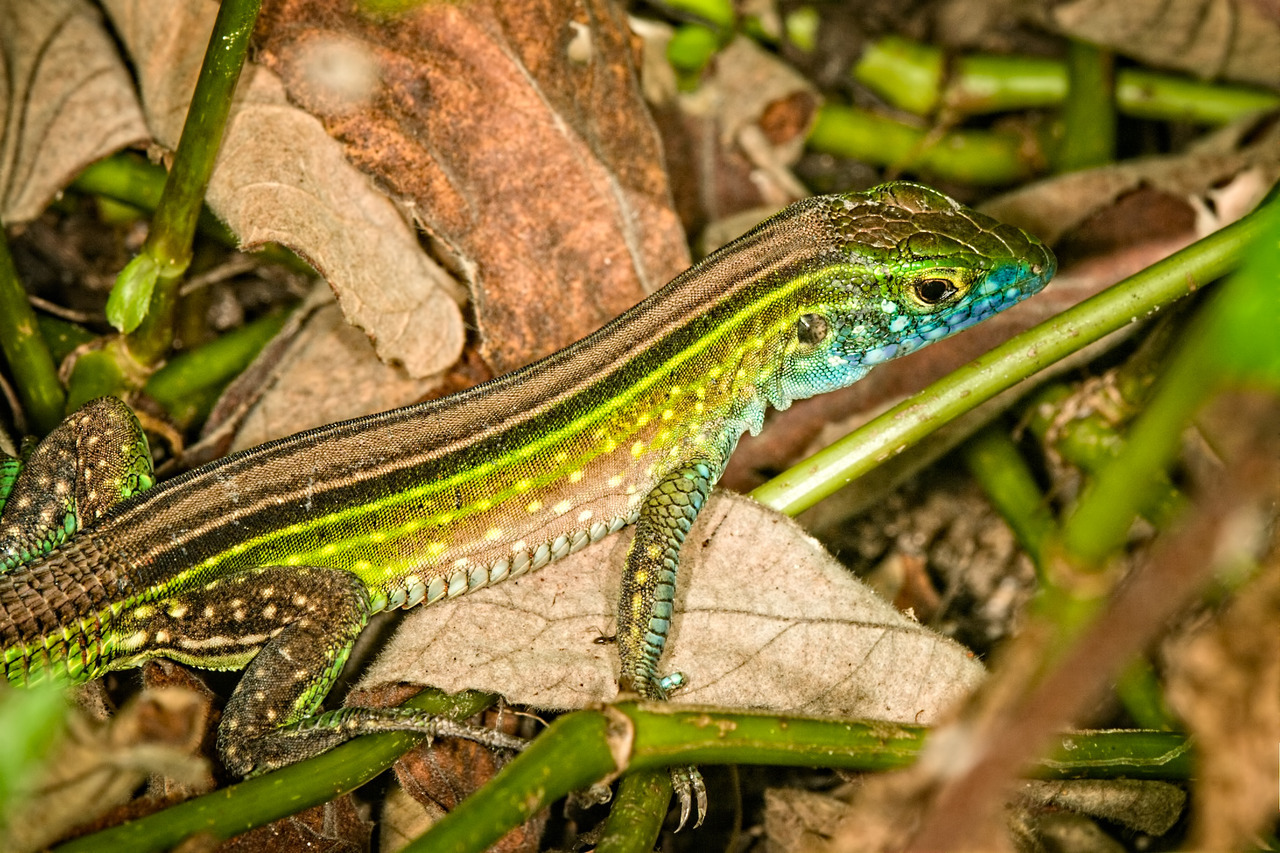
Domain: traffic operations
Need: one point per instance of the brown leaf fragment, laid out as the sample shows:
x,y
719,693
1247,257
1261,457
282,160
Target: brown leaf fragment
x,y
66,98
1144,805
1225,39
280,178
1057,207
729,143
304,390
516,135
441,775
1224,681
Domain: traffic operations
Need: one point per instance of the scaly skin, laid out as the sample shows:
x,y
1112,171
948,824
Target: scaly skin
x,y
274,558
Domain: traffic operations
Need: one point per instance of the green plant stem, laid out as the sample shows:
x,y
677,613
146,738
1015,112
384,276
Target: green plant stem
x,y
584,747
187,384
1151,95
1233,343
665,736
30,361
994,461
637,813
986,157
127,178
1088,115
62,337
168,245
909,75
1091,442
1144,293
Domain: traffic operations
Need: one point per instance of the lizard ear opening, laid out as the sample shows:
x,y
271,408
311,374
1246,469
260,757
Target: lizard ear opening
x,y
812,329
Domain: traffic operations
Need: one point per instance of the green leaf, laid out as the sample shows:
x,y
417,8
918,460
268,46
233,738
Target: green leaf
x,y
1241,330
31,721
130,298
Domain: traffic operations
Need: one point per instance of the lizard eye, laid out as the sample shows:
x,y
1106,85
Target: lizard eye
x,y
931,291
812,329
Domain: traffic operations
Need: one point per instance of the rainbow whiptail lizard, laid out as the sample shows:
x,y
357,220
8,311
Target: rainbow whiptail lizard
x,y
273,559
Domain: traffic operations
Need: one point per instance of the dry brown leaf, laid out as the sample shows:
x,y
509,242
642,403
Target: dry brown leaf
x,y
305,391
730,142
280,178
516,135
1225,39
440,775
1143,805
764,618
66,98
799,820
1225,683
402,819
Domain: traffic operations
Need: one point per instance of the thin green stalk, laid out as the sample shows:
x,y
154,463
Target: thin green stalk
x,y
1088,115
62,336
909,75
145,297
30,362
661,737
984,157
573,753
637,813
1138,296
127,178
1091,443
1149,94
994,461
186,386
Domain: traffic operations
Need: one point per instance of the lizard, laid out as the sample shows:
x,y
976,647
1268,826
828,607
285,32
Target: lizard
x,y
273,559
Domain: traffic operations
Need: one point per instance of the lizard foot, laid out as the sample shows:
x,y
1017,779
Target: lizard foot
x,y
689,788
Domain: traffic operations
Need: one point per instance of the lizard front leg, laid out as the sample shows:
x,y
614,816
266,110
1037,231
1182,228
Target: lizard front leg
x,y
648,590
92,461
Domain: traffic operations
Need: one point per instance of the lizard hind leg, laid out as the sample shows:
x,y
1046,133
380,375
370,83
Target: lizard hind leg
x,y
292,628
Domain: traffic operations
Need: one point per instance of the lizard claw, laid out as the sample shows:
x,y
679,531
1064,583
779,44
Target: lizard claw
x,y
688,786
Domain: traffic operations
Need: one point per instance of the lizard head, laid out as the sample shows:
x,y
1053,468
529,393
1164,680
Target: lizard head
x,y
905,266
